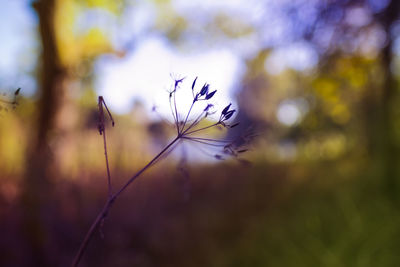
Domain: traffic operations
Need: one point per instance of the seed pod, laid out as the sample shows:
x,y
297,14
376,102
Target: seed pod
x,y
208,96
204,90
194,83
208,107
229,114
225,110
177,82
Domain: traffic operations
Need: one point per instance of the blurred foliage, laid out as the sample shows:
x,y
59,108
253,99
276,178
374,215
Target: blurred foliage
x,y
322,189
75,44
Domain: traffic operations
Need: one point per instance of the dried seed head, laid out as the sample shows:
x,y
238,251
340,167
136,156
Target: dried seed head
x,y
188,128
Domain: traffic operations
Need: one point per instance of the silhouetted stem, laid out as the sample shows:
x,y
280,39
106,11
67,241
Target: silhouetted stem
x,y
107,165
92,228
187,116
102,130
204,142
102,215
176,112
194,123
201,129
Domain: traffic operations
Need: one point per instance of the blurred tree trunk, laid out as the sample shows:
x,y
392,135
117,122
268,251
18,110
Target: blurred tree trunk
x,y
386,139
37,184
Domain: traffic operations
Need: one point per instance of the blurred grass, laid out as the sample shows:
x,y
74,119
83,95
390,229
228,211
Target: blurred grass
x,y
333,212
352,223
318,214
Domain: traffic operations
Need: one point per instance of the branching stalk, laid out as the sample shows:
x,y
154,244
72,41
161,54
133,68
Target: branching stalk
x,y
182,134
103,213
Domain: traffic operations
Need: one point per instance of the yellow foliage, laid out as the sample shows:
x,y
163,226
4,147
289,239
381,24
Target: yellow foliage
x,y
340,114
113,6
353,72
94,43
12,144
232,27
74,47
161,2
326,88
330,146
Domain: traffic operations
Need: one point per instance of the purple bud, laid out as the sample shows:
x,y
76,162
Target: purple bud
x,y
177,82
17,91
194,83
225,110
208,96
229,114
204,90
208,107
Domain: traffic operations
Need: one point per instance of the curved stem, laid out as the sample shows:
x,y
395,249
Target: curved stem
x,y
89,234
103,214
107,165
146,167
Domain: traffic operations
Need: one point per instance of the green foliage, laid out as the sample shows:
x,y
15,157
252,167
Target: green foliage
x,y
350,223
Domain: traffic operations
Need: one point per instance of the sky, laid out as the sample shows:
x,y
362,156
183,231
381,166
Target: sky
x,y
147,70
147,74
19,46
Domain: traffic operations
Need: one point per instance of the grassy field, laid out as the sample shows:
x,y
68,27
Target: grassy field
x,y
320,214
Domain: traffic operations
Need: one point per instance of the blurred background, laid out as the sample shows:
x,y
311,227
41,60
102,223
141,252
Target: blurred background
x,y
316,80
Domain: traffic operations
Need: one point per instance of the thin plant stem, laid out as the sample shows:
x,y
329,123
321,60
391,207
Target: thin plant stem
x,y
173,115
89,234
194,123
203,142
102,130
211,140
147,166
187,116
107,165
103,213
182,133
201,129
109,113
176,112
